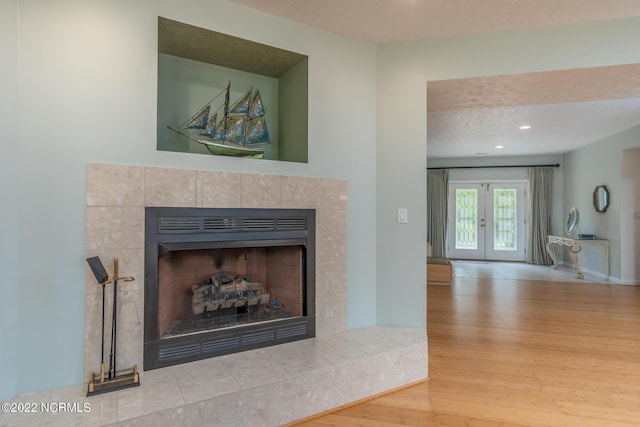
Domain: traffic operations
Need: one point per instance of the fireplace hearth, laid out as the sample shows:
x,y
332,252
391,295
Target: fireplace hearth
x,y
220,281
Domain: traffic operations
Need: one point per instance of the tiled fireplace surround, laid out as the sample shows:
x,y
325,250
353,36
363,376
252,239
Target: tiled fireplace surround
x,y
268,386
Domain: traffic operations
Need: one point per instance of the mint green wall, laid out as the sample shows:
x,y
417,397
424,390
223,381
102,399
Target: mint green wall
x,y
596,164
9,199
87,93
401,183
293,120
403,71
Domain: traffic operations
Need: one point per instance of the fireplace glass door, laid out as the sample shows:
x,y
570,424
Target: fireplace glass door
x,y
220,281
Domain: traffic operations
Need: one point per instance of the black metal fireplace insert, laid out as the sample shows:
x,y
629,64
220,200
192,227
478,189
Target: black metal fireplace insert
x,y
221,281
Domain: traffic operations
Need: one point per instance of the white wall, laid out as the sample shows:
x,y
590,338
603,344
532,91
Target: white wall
x,y
9,198
596,164
87,93
630,217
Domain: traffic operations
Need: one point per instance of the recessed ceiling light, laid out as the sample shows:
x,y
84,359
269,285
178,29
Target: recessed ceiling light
x,y
499,146
525,127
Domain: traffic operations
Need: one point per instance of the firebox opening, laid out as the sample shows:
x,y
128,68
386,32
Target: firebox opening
x,y
209,289
225,280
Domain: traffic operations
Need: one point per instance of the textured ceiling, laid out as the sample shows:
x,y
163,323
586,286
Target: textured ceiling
x,y
548,87
566,109
555,128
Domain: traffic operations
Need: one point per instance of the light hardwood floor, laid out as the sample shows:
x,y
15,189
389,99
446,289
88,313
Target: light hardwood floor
x,y
519,353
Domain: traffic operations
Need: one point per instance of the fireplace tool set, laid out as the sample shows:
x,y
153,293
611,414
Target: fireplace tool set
x,y
110,380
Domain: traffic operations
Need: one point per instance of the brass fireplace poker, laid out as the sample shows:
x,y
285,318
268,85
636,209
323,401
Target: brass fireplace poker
x,y
112,380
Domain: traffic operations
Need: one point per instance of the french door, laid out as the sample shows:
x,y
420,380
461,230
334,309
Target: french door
x,y
487,221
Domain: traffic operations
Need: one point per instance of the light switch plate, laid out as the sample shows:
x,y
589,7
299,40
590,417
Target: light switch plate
x,y
403,216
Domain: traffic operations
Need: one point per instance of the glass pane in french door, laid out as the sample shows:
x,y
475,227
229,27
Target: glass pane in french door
x,y
505,226
505,219
466,231
466,218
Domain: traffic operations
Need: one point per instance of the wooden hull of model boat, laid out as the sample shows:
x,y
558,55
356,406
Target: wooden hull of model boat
x,y
230,150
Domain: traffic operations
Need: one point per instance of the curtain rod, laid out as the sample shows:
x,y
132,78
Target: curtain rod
x,y
556,165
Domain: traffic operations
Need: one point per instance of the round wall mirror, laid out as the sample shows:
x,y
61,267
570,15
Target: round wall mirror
x,y
601,198
572,221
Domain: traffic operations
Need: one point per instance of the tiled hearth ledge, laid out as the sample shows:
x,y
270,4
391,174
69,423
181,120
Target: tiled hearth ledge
x,y
265,387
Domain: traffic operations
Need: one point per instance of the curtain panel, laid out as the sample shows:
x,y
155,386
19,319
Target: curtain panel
x,y
437,199
540,197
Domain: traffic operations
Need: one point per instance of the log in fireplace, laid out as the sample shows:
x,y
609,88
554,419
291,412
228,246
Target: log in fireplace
x,y
220,281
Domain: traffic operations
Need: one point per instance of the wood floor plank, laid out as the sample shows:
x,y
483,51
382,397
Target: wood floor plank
x,y
519,352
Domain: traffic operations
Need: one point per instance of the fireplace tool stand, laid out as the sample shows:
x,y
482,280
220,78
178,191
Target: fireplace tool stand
x,y
112,380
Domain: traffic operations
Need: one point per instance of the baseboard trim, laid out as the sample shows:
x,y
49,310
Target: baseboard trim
x,y
599,275
352,404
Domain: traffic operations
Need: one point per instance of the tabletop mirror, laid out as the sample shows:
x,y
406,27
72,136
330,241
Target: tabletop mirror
x,y
573,218
601,198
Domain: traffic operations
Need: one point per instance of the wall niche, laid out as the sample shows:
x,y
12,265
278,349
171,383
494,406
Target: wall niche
x,y
223,95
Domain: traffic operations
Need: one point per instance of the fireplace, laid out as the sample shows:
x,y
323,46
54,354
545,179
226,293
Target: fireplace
x,y
220,281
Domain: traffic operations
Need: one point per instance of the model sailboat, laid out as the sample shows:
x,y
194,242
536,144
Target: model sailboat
x,y
240,132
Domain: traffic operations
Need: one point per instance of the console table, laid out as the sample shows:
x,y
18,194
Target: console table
x,y
575,248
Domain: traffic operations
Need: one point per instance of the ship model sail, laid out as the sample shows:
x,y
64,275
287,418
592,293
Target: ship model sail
x,y
240,132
